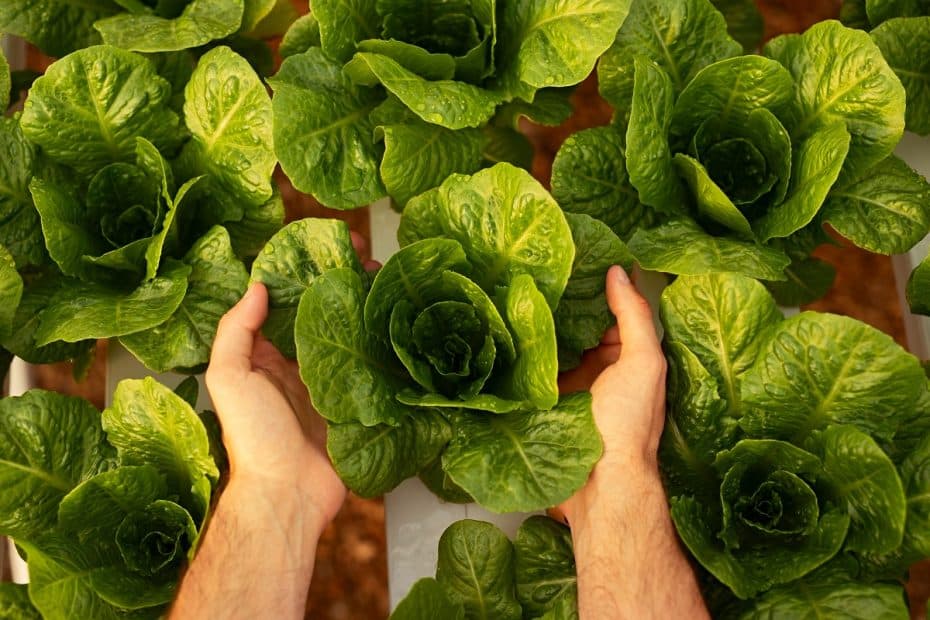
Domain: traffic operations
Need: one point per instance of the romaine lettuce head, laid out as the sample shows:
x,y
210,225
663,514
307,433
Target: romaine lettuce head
x,y
720,162
106,506
393,96
789,442
446,363
59,27
148,220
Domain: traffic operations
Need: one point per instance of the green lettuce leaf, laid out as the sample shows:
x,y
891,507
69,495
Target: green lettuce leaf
x,y
476,567
427,600
15,603
50,444
905,44
544,564
200,22
11,292
744,21
89,107
918,288
351,374
290,261
20,231
216,282
524,461
373,460
506,222
301,36
343,23
57,27
843,78
333,155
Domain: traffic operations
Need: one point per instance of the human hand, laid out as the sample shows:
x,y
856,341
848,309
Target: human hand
x,y
626,377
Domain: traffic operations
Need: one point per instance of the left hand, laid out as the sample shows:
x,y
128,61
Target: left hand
x,y
275,440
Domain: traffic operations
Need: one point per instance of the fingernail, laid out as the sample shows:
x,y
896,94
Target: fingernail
x,y
621,276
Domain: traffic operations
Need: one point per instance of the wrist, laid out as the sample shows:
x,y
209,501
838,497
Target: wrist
x,y
618,489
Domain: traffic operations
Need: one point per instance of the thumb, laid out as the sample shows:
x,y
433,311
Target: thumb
x,y
634,316
235,336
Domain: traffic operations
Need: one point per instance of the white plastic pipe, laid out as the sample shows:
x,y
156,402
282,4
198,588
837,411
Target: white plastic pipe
x,y
21,380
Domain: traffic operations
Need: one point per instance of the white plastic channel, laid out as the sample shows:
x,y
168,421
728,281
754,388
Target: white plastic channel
x,y
915,150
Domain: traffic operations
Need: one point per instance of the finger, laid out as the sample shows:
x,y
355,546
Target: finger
x,y
558,514
611,336
359,243
372,265
634,316
235,336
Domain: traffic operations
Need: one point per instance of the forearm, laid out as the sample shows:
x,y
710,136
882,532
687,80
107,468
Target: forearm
x,y
255,560
629,561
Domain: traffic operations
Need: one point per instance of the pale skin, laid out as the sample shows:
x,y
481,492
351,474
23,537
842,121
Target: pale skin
x,y
256,558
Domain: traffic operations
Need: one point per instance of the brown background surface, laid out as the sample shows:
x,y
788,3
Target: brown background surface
x,y
351,570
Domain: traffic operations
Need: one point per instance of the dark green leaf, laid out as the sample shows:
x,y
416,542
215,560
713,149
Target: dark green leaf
x,y
544,566
428,600
201,21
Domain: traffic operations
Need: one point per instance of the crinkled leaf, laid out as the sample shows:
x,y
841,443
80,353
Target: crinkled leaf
x,y
15,603
11,292
427,600
544,566
582,316
729,90
20,231
301,36
524,461
682,248
842,78
89,107
372,460
201,21
290,261
351,374
881,10
228,112
886,210
451,104
258,224
725,321
88,310
322,131
50,444
216,282
506,222
545,43
817,163
859,475
798,384
151,425
589,177
415,59
5,83
550,107
905,44
697,427
808,280
712,202
682,37
162,520
476,567
649,156
419,156
57,27
343,23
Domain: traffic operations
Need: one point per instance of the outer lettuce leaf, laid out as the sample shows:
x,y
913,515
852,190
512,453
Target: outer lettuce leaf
x,y
88,109
886,210
522,461
548,43
85,310
301,36
544,567
798,385
589,177
201,21
582,316
918,288
216,282
20,232
744,21
426,600
5,83
361,375
507,224
50,444
881,10
373,460
333,157
476,568
290,262
343,23
842,78
682,248
905,44
228,112
725,321
15,603
682,39
57,27
11,292
649,157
